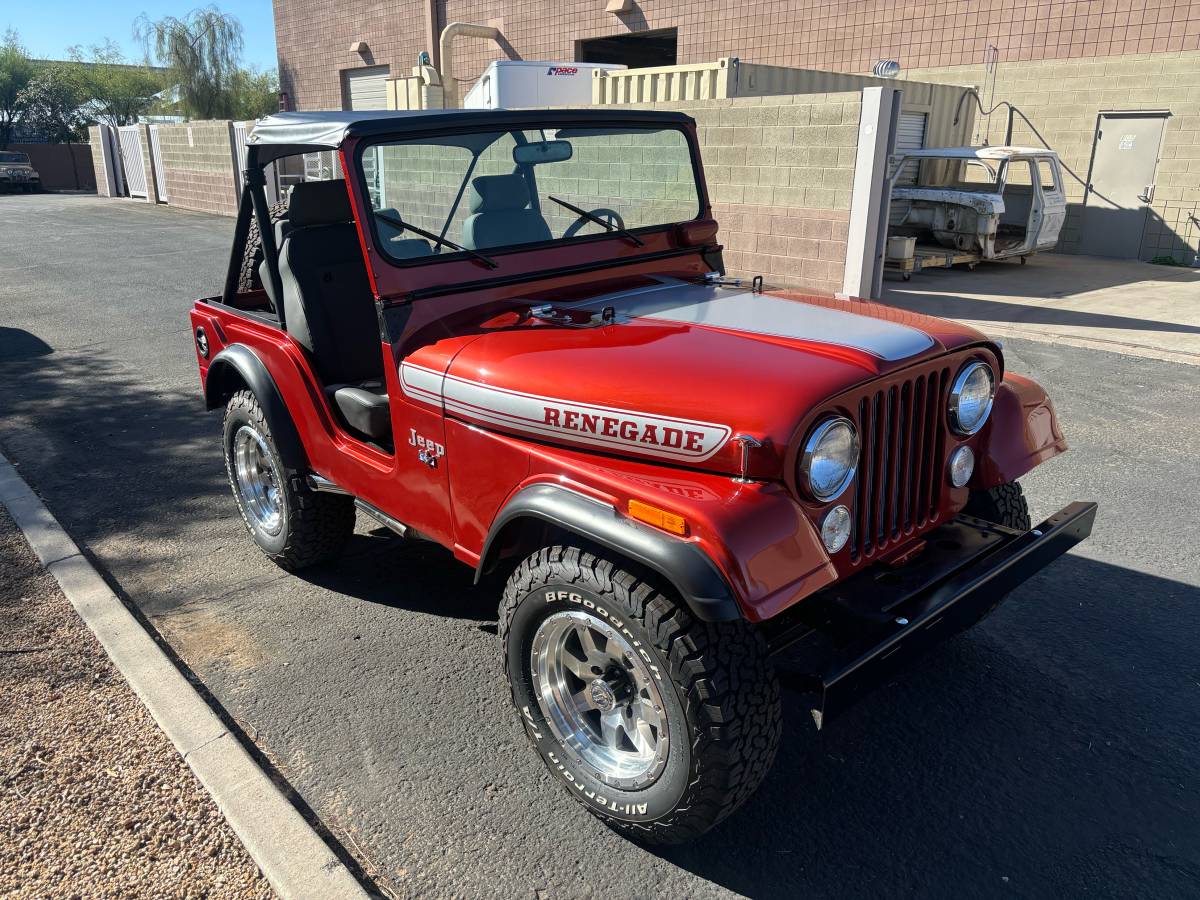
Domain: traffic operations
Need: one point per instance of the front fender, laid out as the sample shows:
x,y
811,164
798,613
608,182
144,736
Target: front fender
x,y
1022,432
682,563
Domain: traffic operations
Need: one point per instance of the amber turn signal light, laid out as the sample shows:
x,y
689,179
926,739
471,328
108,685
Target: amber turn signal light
x,y
659,518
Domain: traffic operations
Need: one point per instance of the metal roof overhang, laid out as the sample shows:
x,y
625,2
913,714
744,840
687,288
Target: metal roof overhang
x,y
286,134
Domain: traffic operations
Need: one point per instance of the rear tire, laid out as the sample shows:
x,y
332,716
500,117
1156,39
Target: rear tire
x,y
293,525
1004,505
681,719
248,279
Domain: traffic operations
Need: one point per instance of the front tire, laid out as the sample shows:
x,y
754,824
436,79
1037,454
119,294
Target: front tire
x,y
1004,505
659,723
294,526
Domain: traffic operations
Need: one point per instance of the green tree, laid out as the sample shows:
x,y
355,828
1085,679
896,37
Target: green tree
x,y
16,70
117,91
255,93
53,103
202,50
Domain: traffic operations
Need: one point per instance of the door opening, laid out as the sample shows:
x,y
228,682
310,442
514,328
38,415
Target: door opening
x,y
637,51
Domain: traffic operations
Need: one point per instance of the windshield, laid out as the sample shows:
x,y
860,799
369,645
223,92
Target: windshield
x,y
494,190
14,158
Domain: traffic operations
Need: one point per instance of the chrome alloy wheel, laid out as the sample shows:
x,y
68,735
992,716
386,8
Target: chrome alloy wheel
x,y
257,477
600,699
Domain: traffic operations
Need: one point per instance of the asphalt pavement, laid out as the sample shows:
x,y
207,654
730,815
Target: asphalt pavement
x,y
1052,752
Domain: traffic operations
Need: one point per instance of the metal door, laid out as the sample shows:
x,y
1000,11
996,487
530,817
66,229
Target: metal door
x,y
1121,187
131,157
160,174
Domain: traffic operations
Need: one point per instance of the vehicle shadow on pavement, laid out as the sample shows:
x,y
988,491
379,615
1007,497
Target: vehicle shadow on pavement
x,y
417,576
1052,750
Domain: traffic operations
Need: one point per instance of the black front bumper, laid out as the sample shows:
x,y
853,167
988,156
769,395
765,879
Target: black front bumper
x,y
866,628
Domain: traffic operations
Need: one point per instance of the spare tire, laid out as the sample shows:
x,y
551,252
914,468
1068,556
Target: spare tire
x,y
248,279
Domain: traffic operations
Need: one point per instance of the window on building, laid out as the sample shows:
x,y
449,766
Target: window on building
x,y
637,51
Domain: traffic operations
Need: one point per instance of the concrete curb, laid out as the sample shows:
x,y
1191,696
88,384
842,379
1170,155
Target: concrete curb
x,y
292,856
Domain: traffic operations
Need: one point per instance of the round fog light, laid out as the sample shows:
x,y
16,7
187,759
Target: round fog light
x,y
962,466
835,529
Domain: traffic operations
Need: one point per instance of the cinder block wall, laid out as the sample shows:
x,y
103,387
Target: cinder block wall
x,y
198,161
1063,97
62,167
780,172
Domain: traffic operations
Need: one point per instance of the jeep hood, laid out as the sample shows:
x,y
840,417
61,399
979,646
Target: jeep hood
x,y
678,370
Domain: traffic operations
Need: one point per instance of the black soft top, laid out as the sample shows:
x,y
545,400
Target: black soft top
x,y
285,134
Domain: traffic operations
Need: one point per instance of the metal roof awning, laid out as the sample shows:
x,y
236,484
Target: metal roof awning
x,y
285,134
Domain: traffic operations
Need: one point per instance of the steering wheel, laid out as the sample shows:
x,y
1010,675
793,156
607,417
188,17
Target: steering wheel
x,y
602,212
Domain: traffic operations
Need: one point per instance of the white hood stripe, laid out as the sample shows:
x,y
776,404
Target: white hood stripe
x,y
719,307
682,440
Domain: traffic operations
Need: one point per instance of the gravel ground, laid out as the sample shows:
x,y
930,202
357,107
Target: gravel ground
x,y
94,800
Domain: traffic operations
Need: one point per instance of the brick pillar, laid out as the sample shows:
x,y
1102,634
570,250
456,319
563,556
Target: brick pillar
x,y
99,161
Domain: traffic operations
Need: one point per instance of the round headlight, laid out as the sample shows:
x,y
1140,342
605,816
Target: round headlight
x,y
830,458
835,529
962,466
971,397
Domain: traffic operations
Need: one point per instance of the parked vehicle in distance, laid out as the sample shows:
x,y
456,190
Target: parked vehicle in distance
x,y
508,332
17,172
997,202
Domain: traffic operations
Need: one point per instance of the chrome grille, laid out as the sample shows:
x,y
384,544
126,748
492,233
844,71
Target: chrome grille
x,y
899,481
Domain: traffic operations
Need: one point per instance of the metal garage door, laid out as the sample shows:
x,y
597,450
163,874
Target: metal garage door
x,y
910,135
365,88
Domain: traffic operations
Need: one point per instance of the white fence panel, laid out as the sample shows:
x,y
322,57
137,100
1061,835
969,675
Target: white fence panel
x,y
131,156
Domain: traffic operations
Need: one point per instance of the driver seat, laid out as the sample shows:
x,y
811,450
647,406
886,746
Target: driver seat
x,y
329,307
501,214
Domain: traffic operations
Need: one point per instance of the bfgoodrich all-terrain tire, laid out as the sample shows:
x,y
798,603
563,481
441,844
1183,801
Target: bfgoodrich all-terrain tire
x,y
1004,505
294,526
659,723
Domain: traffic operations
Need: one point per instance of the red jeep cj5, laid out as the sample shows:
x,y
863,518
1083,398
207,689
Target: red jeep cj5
x,y
508,332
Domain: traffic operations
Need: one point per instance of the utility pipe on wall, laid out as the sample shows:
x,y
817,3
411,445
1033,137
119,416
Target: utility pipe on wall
x,y
446,54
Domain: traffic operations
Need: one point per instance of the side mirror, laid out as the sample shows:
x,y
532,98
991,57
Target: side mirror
x,y
542,152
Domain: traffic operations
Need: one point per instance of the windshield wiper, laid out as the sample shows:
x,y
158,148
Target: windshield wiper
x,y
607,226
445,242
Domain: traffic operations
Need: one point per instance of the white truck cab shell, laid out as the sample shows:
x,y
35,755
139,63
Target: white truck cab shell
x,y
1000,201
516,83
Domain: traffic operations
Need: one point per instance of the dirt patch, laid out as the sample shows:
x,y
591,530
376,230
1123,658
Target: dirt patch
x,y
94,799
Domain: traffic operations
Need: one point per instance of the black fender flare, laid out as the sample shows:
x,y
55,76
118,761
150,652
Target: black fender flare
x,y
240,361
683,564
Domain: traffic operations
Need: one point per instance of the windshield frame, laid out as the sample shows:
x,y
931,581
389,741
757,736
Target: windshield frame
x,y
14,162
703,203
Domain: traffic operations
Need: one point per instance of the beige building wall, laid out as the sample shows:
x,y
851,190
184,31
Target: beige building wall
x,y
1063,99
314,36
